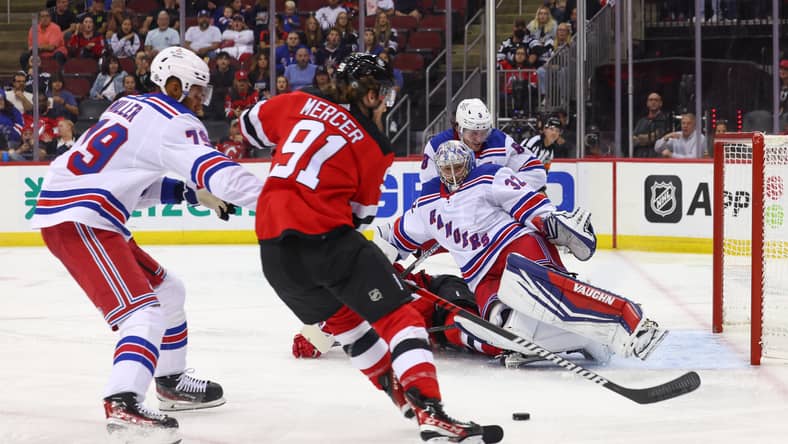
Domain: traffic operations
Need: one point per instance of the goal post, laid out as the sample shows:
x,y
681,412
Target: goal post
x,y
750,264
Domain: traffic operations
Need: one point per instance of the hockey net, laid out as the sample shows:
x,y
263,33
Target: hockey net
x,y
751,240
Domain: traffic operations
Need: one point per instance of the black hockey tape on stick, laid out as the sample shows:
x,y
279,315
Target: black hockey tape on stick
x,y
682,385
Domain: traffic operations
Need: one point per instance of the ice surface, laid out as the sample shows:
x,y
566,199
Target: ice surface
x,y
56,355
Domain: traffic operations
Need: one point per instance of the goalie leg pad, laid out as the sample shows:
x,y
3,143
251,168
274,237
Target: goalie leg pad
x,y
564,302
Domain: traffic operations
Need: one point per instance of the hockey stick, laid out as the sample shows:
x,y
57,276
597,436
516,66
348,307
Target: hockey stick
x,y
682,385
424,255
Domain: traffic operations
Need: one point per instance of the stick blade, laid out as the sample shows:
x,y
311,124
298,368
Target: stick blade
x,y
682,385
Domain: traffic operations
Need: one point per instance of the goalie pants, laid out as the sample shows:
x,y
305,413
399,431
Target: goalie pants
x,y
346,280
533,246
136,296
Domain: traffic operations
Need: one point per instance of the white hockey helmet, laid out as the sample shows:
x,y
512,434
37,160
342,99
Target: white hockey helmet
x,y
454,161
182,64
473,115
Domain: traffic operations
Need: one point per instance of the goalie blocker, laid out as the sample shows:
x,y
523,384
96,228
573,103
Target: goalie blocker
x,y
561,313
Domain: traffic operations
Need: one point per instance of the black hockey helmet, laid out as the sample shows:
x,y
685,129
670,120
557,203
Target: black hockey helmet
x,y
358,65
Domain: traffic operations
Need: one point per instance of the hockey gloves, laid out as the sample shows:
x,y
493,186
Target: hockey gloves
x,y
572,230
302,348
205,198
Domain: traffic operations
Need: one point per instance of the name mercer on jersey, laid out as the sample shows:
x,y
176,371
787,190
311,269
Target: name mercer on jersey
x,y
335,116
593,293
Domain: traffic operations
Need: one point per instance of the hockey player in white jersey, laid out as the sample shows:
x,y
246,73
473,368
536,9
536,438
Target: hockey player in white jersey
x,y
489,145
87,197
503,233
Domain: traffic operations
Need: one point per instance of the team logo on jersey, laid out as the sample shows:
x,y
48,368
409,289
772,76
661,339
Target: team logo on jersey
x,y
663,199
375,295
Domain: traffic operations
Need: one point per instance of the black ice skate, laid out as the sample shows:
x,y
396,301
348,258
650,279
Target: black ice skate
x,y
436,426
130,420
393,388
183,392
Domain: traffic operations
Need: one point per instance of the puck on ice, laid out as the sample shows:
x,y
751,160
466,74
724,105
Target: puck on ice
x,y
521,416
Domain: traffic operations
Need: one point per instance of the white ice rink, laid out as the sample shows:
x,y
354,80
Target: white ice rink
x,y
55,356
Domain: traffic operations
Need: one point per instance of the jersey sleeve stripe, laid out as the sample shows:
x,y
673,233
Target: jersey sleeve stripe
x,y
532,164
426,200
527,205
252,128
403,241
206,166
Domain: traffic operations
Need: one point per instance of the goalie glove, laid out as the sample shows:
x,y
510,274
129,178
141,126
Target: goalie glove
x,y
572,230
205,198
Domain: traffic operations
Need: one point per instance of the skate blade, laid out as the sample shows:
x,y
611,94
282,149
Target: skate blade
x,y
125,434
656,343
166,405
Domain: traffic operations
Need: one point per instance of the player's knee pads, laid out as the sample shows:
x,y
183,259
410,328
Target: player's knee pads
x,y
551,337
172,295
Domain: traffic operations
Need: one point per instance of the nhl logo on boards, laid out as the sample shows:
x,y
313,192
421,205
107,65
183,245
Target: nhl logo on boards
x,y
662,199
375,295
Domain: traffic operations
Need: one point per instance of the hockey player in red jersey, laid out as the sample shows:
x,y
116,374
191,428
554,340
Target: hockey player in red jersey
x,y
324,184
87,197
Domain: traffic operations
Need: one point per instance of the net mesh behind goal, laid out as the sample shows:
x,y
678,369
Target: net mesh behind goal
x,y
751,240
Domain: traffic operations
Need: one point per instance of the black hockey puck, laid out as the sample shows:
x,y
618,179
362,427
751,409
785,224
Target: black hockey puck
x,y
521,416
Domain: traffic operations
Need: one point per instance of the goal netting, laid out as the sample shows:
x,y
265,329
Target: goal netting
x,y
751,240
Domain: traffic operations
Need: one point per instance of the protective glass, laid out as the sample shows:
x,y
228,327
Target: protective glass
x,y
390,94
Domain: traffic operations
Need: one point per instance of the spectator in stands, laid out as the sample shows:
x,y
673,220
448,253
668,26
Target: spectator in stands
x,y
11,123
24,152
563,37
64,17
125,42
225,19
161,37
282,85
64,104
322,81
86,42
237,40
783,73
371,46
327,15
376,6
241,95
129,87
257,16
21,99
222,77
651,127
142,73
109,82
519,36
558,10
47,128
682,144
289,18
115,17
65,137
331,53
50,41
195,6
721,126
543,26
264,39
385,35
348,36
301,73
204,39
234,146
286,54
407,7
259,76
171,7
312,35
98,13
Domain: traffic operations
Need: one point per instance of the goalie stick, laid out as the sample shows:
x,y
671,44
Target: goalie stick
x,y
682,385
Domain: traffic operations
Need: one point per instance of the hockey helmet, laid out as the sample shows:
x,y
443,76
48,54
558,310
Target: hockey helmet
x,y
182,64
454,161
357,66
473,119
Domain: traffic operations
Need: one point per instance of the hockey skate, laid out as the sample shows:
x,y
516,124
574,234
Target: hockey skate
x,y
572,230
128,421
184,392
436,426
392,387
647,337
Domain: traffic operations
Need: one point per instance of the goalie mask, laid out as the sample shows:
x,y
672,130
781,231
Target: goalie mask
x,y
454,161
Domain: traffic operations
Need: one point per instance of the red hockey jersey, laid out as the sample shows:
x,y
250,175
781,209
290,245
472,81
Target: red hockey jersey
x,y
327,166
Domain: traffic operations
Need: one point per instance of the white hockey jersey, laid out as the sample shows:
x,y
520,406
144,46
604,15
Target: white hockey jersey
x,y
118,165
498,149
491,208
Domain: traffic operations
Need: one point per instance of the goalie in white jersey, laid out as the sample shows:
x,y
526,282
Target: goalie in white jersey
x,y
481,215
87,197
489,145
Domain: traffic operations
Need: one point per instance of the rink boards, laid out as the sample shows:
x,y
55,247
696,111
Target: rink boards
x,y
645,205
